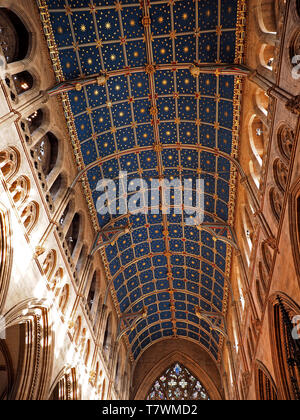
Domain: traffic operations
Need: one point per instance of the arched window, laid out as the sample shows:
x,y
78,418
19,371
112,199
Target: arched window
x,y
177,383
9,162
77,329
267,256
57,279
257,138
30,216
286,139
63,298
73,233
49,264
65,214
298,221
66,388
103,390
286,347
23,81
56,187
14,38
267,54
35,120
107,336
259,295
263,276
276,202
91,295
118,373
81,260
266,389
280,171
19,190
46,152
86,355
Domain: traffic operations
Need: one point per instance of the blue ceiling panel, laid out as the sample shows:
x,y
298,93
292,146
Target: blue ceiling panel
x,y
162,263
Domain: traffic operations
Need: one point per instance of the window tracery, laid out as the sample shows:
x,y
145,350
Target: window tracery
x,y
287,348
276,202
266,388
280,171
9,162
30,215
286,138
14,38
177,383
19,190
49,264
63,298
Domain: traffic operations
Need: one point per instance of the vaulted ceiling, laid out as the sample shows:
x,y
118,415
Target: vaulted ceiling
x,y
156,122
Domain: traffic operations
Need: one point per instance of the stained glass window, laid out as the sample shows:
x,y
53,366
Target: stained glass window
x,y
177,383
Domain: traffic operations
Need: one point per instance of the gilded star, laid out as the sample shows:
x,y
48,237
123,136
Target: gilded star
x,y
177,120
113,130
89,111
216,125
198,122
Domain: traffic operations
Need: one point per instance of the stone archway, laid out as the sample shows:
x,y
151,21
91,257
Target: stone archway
x,y
5,255
29,340
187,361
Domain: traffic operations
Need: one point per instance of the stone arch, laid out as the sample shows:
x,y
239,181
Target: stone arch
x,y
284,347
266,389
189,363
14,36
280,172
6,254
56,281
29,216
77,330
46,152
9,162
50,264
266,16
65,387
294,223
28,324
276,202
285,141
20,189
107,339
266,55
64,298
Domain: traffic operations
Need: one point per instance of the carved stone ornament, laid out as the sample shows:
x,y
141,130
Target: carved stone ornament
x,y
293,105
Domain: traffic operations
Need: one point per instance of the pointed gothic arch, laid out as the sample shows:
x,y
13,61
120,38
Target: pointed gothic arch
x,y
177,383
28,325
6,254
285,349
65,386
266,389
178,357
